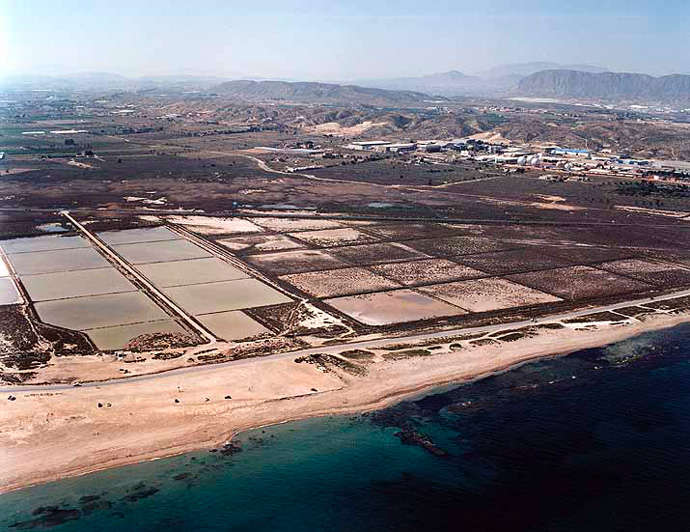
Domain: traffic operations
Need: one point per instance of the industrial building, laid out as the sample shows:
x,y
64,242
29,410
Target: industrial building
x,y
367,145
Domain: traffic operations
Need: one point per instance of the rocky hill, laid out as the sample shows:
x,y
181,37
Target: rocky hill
x,y
606,86
521,70
451,83
310,92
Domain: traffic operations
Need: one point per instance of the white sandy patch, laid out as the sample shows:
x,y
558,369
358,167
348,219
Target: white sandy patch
x,y
317,318
483,295
584,325
159,201
334,128
556,206
78,164
656,212
297,224
491,136
547,197
13,171
209,225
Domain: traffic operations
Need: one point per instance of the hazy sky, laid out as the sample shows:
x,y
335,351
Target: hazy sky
x,y
338,40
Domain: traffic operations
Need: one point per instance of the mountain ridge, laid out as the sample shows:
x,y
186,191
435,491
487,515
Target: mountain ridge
x,y
445,83
527,69
606,86
493,81
314,92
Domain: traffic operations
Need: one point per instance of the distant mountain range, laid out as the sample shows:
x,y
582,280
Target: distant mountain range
x,y
525,69
311,92
104,81
606,86
451,83
489,82
541,79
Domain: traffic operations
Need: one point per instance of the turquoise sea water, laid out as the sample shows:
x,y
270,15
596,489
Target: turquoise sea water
x,y
598,440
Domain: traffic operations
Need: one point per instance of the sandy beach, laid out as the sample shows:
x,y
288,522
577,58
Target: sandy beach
x,y
45,436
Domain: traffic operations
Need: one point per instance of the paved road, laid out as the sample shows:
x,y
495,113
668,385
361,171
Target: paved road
x,y
366,344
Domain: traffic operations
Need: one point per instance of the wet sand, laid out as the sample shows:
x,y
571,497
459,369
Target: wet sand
x,y
50,435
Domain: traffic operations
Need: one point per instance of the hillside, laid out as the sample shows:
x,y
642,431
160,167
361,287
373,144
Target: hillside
x,y
521,70
451,83
494,81
310,92
606,86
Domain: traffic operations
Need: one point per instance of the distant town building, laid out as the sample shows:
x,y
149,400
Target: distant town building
x,y
367,145
401,147
68,131
569,152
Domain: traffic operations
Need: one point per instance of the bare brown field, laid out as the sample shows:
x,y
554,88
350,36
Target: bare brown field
x,y
394,306
485,295
456,246
579,282
427,271
208,225
259,243
398,231
376,253
345,281
660,274
289,225
681,257
512,261
290,262
334,237
587,254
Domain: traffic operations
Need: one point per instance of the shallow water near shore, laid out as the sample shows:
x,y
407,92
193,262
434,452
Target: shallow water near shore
x,y
597,440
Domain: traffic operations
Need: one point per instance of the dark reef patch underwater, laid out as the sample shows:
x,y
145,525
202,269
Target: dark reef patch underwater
x,y
596,441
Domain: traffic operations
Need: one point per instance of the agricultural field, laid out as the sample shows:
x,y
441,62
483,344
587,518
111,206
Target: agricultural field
x,y
225,274
368,270
580,282
484,295
395,306
292,262
73,286
210,239
344,281
427,271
